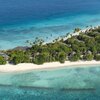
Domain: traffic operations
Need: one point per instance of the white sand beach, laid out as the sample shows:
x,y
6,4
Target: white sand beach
x,y
30,66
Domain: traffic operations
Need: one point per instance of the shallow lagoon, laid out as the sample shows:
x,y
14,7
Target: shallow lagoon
x,y
58,84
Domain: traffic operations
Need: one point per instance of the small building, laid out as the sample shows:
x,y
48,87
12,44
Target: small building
x,y
4,55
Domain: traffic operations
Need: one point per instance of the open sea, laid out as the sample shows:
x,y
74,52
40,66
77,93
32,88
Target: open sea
x,y
22,20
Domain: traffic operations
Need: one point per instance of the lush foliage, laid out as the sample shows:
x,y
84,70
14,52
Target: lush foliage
x,y
17,57
85,46
97,57
2,61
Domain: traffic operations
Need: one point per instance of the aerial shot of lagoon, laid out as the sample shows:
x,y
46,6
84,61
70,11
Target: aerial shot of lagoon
x,y
22,20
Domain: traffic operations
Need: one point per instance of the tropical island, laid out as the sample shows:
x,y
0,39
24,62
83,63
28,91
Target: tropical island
x,y
79,46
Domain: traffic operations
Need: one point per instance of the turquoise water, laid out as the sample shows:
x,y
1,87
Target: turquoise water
x,y
58,84
22,20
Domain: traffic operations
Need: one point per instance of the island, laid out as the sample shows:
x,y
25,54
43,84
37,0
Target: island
x,y
80,47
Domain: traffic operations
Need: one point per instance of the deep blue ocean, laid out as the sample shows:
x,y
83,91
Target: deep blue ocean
x,y
22,20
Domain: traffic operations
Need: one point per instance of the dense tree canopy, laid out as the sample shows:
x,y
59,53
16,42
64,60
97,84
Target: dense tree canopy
x,y
2,61
17,57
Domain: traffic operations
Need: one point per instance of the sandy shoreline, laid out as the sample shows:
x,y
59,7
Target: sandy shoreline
x,y
29,66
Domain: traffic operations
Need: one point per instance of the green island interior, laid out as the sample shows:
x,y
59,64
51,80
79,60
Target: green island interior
x,y
84,46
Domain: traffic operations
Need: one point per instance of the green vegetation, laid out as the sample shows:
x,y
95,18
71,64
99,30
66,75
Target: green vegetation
x,y
17,57
2,61
85,46
39,59
62,57
97,57
74,58
77,30
88,57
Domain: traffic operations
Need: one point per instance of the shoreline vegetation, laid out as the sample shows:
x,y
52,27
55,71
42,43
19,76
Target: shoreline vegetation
x,y
81,46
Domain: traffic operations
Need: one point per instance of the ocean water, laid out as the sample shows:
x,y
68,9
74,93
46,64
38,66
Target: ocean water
x,y
57,84
22,20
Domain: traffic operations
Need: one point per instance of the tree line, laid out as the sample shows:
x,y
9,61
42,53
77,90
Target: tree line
x,y
85,46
